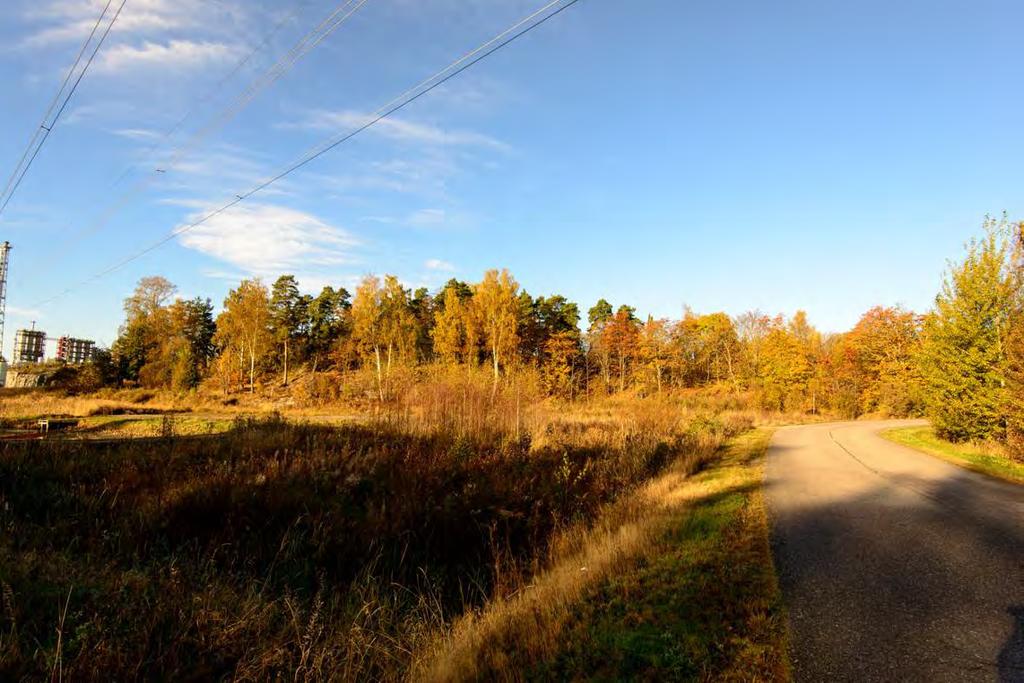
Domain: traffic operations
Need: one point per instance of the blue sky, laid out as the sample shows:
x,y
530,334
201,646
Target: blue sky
x,y
725,155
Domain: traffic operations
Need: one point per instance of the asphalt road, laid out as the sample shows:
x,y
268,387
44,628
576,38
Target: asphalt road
x,y
894,565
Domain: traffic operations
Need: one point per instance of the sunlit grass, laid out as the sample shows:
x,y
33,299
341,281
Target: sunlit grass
x,y
681,588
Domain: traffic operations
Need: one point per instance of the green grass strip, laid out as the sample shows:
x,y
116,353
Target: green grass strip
x,y
968,455
703,604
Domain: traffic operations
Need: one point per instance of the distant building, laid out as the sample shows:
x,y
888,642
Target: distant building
x,y
29,346
75,351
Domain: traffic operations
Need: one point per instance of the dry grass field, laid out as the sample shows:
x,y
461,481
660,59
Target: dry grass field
x,y
455,535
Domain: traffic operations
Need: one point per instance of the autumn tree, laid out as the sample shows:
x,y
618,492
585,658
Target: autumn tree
x,y
454,331
706,349
450,331
720,346
842,376
964,352
599,315
687,350
244,326
784,370
560,343
874,367
562,351
383,324
654,349
1014,398
810,344
146,325
164,343
752,329
622,335
400,323
495,306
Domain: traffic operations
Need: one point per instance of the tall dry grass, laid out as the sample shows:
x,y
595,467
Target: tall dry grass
x,y
286,549
524,626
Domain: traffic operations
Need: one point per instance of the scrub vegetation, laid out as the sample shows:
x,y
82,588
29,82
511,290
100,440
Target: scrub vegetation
x,y
331,552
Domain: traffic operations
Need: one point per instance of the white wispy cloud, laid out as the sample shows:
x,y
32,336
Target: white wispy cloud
x,y
425,176
175,54
138,134
77,29
439,265
59,21
266,239
195,204
398,129
427,218
475,94
213,175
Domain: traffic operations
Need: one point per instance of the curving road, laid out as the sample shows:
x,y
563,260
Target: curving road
x,y
894,565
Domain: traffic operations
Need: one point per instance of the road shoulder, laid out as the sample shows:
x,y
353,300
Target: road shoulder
x,y
703,603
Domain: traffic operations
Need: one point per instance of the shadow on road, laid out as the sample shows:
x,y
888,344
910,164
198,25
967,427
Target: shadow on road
x,y
903,584
1011,657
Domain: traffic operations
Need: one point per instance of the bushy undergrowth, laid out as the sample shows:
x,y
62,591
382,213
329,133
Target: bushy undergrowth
x,y
301,550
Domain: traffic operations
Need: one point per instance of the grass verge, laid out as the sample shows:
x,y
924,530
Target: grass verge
x,y
684,589
978,457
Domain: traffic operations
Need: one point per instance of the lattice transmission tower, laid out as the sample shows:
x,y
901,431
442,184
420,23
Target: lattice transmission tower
x,y
5,250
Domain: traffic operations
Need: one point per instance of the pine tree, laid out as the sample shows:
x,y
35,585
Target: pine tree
x,y
964,360
329,321
289,313
599,315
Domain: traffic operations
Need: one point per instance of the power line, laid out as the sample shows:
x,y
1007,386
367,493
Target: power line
x,y
216,87
449,72
53,103
342,12
23,166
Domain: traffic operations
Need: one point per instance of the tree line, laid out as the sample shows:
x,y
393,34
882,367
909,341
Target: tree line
x,y
262,333
962,363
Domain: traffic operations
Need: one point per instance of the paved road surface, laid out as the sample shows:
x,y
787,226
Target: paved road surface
x,y
895,566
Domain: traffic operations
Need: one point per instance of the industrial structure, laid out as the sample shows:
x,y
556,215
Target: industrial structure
x,y
5,250
29,346
75,351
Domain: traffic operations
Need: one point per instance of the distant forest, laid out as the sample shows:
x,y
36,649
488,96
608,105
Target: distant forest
x,y
961,363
